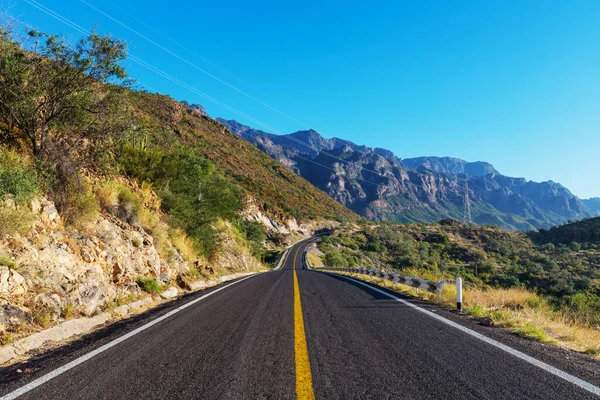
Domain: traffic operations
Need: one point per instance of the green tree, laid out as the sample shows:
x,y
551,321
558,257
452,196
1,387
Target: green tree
x,y
56,94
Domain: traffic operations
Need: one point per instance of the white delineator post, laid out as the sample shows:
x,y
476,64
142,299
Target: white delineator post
x,y
459,294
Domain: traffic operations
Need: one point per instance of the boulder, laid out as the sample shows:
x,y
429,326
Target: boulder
x,y
50,301
169,293
121,311
49,214
11,282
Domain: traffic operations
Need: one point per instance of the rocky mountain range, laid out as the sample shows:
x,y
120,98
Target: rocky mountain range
x,y
380,186
593,205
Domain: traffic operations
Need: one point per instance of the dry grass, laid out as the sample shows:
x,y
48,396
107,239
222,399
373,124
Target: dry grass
x,y
517,309
314,259
149,197
15,220
184,245
107,196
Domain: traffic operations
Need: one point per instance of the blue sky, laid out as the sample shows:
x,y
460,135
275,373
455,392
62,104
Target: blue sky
x,y
514,83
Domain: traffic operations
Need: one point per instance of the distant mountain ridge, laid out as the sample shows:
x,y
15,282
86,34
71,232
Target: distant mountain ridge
x,y
593,205
380,186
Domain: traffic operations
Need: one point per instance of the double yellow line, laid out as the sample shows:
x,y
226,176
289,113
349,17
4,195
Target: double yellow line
x,y
304,386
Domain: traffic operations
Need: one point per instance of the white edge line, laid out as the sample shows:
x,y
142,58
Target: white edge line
x,y
540,364
51,375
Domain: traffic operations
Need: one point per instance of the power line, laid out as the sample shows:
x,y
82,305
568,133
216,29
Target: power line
x,y
141,62
223,82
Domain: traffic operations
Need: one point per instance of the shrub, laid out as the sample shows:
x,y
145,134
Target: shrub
x,y
119,200
7,261
17,178
192,190
584,307
334,258
149,285
137,242
575,246
79,206
549,247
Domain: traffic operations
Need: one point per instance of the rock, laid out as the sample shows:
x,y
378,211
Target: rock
x,y
485,321
121,311
198,285
92,297
51,302
148,240
169,293
86,256
11,282
183,282
137,305
49,214
12,315
164,277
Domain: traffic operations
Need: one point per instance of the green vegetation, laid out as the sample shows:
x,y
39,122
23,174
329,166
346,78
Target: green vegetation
x,y
6,261
485,256
577,235
149,285
93,128
18,178
279,192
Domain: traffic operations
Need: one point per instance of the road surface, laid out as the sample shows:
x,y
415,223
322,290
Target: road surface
x,y
296,333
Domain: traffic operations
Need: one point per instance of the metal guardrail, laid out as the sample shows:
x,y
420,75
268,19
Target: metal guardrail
x,y
282,258
435,287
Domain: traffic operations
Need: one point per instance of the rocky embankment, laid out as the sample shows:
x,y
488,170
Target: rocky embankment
x,y
57,276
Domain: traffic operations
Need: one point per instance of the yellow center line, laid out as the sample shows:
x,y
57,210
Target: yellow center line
x,y
304,387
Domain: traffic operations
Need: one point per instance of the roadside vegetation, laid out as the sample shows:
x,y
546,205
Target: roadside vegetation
x,y
542,288
72,129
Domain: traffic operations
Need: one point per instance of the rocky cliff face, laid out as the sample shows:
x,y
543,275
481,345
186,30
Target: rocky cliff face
x,y
593,205
450,166
55,271
379,186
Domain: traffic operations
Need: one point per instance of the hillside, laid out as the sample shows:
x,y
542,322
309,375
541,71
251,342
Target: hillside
x,y
113,199
280,193
584,232
376,184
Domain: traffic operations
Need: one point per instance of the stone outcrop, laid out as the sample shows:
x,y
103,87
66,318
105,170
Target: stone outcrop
x,y
55,271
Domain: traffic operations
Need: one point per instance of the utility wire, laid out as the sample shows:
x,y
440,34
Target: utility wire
x,y
165,75
223,82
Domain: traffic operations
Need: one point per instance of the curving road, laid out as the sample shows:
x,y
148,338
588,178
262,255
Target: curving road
x,y
298,333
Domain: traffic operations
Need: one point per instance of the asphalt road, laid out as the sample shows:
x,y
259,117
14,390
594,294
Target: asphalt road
x,y
240,343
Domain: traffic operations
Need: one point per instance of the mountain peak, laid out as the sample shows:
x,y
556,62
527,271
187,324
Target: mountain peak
x,y
196,107
451,166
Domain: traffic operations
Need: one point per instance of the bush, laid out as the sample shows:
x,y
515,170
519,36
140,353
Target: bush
x,y
79,206
192,190
334,258
584,307
17,178
256,235
7,261
149,285
119,200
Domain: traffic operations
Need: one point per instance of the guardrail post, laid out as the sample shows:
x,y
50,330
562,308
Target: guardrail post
x,y
459,299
